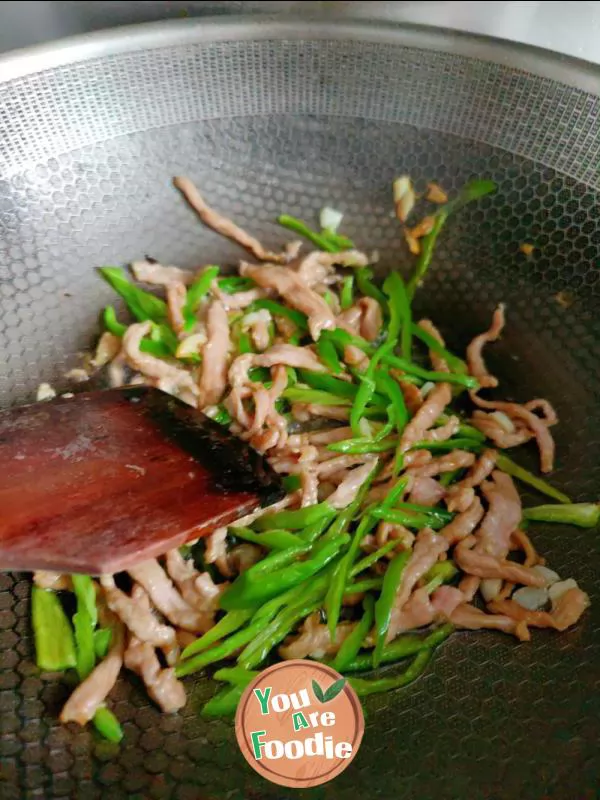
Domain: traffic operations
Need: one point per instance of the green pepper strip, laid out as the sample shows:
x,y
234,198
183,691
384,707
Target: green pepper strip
x,y
342,339
399,305
373,558
449,477
276,631
410,519
259,374
364,585
54,643
339,581
402,647
235,675
366,390
447,377
155,348
361,445
83,586
455,363
470,191
347,293
277,559
293,520
352,643
301,228
337,239
308,598
584,515
513,469
231,622
271,540
335,593
368,288
84,622
438,513
222,416
385,601
224,703
364,687
247,592
244,343
328,355
444,570
277,309
337,386
399,311
102,640
229,646
312,532
394,493
298,394
291,483
472,445
394,392
195,294
107,725
235,283
143,305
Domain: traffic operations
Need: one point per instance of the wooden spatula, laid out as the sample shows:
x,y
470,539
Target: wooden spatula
x,y
103,480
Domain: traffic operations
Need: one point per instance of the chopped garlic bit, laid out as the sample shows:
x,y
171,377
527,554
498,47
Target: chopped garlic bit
x,y
435,193
548,574
490,588
504,421
263,315
426,388
531,598
404,197
330,219
556,591
44,392
365,427
190,345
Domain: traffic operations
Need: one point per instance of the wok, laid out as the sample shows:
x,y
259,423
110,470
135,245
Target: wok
x,y
287,116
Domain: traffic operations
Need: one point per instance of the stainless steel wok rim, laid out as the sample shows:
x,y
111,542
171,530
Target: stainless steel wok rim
x,y
547,64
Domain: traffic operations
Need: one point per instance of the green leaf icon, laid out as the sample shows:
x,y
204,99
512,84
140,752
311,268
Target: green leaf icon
x,y
318,692
333,691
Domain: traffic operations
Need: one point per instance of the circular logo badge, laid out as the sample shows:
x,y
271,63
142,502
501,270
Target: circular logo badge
x,y
299,723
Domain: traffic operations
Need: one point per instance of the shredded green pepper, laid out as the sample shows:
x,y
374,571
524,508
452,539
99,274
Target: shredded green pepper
x,y
385,602
107,725
143,305
347,292
584,515
364,687
513,469
352,643
54,642
195,293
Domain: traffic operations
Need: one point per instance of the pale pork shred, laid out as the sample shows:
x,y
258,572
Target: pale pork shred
x,y
291,356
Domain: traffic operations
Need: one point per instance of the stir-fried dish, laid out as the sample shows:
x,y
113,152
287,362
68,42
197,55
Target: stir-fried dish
x,y
402,521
